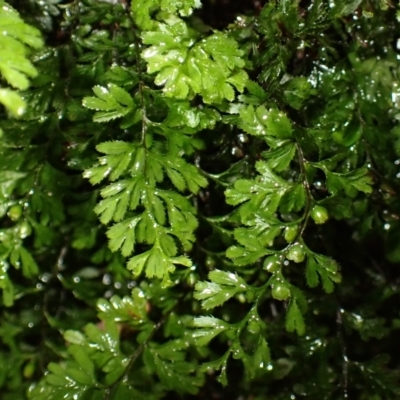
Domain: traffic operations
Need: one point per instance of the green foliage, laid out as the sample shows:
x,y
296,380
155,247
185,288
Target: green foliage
x,y
188,65
198,206
222,287
114,102
15,67
142,10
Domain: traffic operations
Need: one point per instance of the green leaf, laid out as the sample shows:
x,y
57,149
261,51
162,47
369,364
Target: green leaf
x,y
12,101
8,180
293,199
131,310
181,218
114,147
350,183
210,67
324,267
184,8
265,191
117,160
111,103
16,36
15,66
279,158
141,12
260,358
61,382
242,256
227,278
297,91
252,122
350,7
261,122
182,114
181,173
260,233
161,207
113,208
219,364
19,255
175,373
222,287
278,124
211,327
86,374
156,264
339,206
294,319
257,93
93,360
29,266
75,337
122,236
213,295
6,286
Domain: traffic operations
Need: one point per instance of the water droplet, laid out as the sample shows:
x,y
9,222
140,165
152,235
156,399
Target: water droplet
x,y
45,277
131,285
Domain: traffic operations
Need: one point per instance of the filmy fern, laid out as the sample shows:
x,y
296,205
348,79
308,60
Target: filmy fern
x,y
189,196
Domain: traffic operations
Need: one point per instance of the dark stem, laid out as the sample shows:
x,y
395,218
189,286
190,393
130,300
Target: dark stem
x,y
134,357
139,69
345,360
306,185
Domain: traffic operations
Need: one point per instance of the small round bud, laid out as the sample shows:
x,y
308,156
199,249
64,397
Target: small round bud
x,y
253,327
290,233
25,230
14,212
280,291
296,253
272,264
319,214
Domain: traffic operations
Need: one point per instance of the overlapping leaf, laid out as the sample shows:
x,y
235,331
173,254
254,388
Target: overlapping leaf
x,y
264,191
110,103
89,354
130,310
222,286
272,125
211,67
280,157
168,216
208,328
143,11
168,362
258,358
351,182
